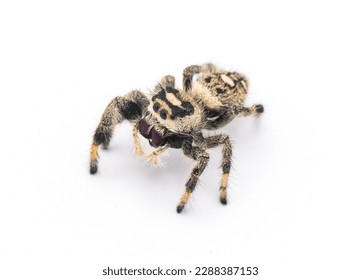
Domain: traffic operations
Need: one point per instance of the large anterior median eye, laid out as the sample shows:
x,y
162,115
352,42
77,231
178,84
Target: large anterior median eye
x,y
156,107
163,114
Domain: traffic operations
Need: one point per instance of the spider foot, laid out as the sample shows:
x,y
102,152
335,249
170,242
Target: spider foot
x,y
223,200
180,208
258,109
93,168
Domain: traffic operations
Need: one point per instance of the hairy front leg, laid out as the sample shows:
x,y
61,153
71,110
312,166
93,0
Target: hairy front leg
x,y
130,107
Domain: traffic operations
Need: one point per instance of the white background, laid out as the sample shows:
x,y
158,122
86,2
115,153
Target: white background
x,y
294,194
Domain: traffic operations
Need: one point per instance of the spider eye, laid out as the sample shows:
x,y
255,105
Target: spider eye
x,y
163,114
156,107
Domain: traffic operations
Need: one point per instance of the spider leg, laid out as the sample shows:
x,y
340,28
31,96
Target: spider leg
x,y
153,157
138,147
214,141
166,81
130,107
191,70
228,115
255,110
202,158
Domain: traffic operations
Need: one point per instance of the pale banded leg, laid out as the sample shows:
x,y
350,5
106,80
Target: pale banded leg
x,y
138,147
153,157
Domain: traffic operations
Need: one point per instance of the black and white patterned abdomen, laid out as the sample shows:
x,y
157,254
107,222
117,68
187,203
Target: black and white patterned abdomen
x,y
224,88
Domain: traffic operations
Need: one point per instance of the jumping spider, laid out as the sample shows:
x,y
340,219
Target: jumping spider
x,y
175,118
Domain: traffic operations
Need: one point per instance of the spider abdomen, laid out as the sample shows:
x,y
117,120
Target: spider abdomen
x,y
222,88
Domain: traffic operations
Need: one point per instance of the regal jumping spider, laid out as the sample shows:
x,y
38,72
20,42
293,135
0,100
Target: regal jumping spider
x,y
175,118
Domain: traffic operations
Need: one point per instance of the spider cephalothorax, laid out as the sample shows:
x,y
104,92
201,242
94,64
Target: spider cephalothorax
x,y
175,110
174,118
